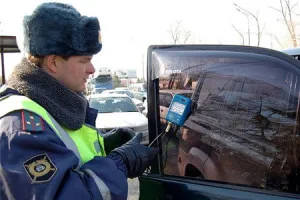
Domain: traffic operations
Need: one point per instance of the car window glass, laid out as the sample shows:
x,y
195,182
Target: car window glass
x,y
161,99
168,99
165,99
113,104
214,91
244,124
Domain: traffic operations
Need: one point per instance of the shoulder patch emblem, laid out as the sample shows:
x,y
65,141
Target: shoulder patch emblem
x,y
31,121
40,168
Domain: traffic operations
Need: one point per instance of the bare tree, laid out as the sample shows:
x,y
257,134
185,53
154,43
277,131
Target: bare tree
x,y
248,23
287,12
179,34
274,37
255,17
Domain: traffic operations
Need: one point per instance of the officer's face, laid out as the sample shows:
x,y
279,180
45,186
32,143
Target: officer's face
x,y
74,72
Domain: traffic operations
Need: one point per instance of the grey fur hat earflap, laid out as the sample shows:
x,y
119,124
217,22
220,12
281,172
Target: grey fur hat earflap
x,y
59,29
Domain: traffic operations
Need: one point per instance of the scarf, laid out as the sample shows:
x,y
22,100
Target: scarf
x,y
65,106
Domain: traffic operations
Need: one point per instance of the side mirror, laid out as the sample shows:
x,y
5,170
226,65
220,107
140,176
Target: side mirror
x,y
144,98
141,108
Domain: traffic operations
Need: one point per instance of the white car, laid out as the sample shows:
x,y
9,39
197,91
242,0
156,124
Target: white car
x,y
121,88
97,90
119,111
137,102
295,52
145,105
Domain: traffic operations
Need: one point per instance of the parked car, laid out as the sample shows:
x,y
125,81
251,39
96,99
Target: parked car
x,y
97,90
241,139
145,105
136,101
295,52
139,90
119,111
121,88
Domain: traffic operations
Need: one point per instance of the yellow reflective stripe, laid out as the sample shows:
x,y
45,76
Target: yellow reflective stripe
x,y
68,141
81,141
85,138
102,145
17,102
101,140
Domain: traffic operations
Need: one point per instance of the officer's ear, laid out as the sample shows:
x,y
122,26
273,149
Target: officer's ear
x,y
50,64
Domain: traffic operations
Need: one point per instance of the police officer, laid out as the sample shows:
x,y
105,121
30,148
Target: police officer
x,y
49,146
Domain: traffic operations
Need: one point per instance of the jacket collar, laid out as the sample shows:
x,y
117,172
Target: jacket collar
x,y
67,107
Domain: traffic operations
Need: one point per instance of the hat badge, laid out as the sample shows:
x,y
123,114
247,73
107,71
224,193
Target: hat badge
x,y
100,37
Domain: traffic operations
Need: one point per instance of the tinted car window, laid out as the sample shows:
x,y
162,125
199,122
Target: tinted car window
x,y
244,125
165,99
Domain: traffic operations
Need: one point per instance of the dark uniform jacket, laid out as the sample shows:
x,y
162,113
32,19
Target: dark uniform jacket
x,y
35,163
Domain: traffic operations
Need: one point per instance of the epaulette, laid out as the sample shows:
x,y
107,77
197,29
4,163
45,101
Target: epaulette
x,y
32,122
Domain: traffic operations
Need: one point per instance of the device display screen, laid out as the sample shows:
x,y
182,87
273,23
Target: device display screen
x,y
177,108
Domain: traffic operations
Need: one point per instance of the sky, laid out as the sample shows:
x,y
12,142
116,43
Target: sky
x,y
129,27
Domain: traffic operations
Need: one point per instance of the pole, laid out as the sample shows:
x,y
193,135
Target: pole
x,y
143,68
2,65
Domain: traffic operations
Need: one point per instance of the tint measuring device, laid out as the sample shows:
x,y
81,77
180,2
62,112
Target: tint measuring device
x,y
179,109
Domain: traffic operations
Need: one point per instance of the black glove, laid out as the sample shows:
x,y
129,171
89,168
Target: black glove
x,y
117,137
137,157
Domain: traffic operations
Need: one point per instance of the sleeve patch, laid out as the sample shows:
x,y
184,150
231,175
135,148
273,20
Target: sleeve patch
x,y
40,168
32,122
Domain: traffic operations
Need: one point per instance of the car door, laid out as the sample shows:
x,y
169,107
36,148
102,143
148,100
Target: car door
x,y
241,139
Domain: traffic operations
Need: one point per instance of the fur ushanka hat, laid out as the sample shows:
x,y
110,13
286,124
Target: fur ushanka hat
x,y
59,29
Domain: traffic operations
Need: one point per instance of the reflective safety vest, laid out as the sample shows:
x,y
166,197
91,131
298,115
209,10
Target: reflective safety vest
x,y
84,142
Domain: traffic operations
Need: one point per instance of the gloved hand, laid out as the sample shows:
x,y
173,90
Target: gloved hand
x,y
137,157
116,138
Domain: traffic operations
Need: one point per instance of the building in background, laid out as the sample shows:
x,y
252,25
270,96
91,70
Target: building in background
x,y
127,76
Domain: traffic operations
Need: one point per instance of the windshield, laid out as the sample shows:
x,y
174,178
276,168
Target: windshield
x,y
103,78
129,94
98,90
113,104
124,92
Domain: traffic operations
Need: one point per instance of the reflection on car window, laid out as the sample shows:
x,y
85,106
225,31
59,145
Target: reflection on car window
x,y
168,99
113,104
244,126
165,99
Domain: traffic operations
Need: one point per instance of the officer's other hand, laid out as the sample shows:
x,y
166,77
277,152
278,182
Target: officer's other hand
x,y
137,157
116,138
